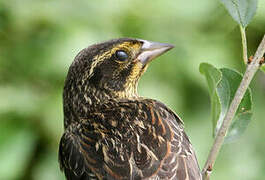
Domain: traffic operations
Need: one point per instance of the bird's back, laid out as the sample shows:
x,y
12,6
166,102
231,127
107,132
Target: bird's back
x,y
130,139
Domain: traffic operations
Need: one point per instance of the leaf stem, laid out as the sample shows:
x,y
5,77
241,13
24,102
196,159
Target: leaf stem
x,y
219,139
244,44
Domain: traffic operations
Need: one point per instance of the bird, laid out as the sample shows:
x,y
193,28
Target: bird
x,y
111,132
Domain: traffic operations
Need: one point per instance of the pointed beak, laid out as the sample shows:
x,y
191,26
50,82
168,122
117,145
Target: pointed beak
x,y
151,50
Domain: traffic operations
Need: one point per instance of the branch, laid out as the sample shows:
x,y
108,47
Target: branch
x,y
244,44
219,139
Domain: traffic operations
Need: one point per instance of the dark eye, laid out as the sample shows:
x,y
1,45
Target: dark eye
x,y
121,55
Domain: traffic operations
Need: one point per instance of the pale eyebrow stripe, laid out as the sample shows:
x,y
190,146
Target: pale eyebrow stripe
x,y
96,60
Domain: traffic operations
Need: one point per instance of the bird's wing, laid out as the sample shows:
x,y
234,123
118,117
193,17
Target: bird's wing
x,y
71,158
181,162
129,140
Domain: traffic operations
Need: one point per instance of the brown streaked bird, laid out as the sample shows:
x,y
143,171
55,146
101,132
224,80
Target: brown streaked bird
x,y
110,131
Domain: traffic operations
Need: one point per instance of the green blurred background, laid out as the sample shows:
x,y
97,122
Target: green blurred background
x,y
40,38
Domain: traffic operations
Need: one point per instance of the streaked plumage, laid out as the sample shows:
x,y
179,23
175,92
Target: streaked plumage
x,y
111,132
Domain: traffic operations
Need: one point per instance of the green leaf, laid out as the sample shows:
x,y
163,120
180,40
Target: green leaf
x,y
222,94
262,68
242,11
238,126
213,77
226,90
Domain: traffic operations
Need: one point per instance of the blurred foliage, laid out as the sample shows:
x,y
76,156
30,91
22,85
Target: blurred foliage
x,y
40,38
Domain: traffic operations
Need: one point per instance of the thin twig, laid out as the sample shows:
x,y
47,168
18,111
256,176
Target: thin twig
x,y
219,139
244,44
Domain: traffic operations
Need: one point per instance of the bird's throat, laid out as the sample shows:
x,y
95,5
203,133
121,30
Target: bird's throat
x,y
96,97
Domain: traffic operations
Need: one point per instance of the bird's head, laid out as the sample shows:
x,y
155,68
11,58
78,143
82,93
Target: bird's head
x,y
111,69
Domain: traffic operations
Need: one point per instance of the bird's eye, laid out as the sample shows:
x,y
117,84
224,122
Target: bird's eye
x,y
121,55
